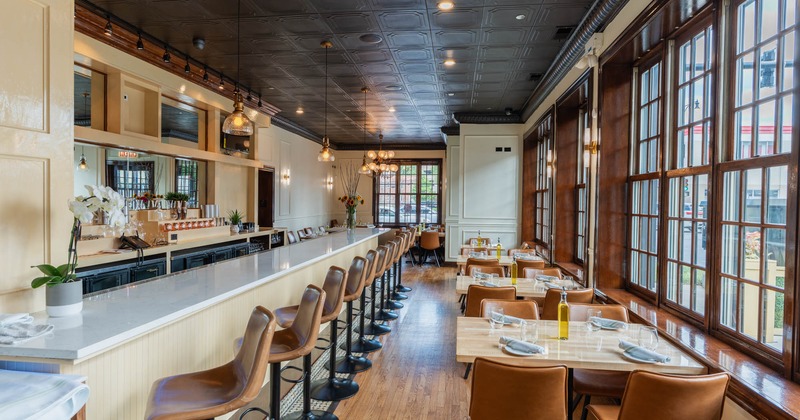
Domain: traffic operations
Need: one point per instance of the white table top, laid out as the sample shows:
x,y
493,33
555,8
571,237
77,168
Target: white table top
x,y
584,349
109,319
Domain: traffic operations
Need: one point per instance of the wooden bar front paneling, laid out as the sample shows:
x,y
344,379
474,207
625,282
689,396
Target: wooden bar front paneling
x,y
612,159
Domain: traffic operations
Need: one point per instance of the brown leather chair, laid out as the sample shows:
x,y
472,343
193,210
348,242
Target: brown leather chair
x,y
296,341
360,268
657,396
553,297
490,262
334,223
525,309
374,328
501,391
593,382
429,241
476,293
531,273
487,269
221,390
523,264
516,251
290,236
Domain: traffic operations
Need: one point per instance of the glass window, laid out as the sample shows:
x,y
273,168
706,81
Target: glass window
x,y
186,179
542,196
410,196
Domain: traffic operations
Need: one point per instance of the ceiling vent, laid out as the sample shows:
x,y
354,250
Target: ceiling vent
x,y
562,32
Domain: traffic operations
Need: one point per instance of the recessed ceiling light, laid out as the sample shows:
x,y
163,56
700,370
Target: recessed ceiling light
x,y
445,5
520,17
451,94
449,62
391,109
270,88
300,110
394,87
371,38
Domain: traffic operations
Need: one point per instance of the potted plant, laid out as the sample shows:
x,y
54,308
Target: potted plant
x,y
178,202
64,294
236,219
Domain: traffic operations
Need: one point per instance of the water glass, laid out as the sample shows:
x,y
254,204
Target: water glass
x,y
496,318
648,337
476,274
529,331
593,313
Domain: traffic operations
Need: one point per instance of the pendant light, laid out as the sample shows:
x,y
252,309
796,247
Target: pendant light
x,y
237,122
83,166
326,155
365,170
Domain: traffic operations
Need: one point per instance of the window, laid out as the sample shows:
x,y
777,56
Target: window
x,y
689,175
582,168
644,180
542,197
186,176
410,196
130,178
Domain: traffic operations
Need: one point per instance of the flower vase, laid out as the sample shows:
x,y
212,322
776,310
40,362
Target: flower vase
x,y
64,299
351,219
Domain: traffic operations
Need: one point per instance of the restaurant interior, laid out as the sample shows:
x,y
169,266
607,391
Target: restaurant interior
x,y
395,209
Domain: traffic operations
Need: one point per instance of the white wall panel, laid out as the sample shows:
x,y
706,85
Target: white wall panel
x,y
491,178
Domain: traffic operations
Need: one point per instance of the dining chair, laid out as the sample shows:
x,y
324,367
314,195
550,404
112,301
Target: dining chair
x,y
476,294
587,383
523,264
525,309
658,396
553,297
221,390
487,269
429,241
334,223
501,391
532,273
291,237
519,251
490,262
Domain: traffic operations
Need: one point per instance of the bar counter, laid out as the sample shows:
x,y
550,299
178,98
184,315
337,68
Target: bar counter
x,y
126,338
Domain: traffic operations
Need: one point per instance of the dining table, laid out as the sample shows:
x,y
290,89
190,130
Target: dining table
x,y
584,349
530,288
504,261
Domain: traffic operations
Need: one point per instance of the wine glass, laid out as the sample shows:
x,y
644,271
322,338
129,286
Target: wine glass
x,y
476,274
648,337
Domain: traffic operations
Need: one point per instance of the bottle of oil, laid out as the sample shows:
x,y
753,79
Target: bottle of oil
x,y
479,239
563,316
512,269
498,248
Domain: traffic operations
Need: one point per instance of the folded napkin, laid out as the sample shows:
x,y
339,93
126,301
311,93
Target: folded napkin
x,y
29,395
508,319
526,257
22,331
487,283
552,286
482,275
544,278
521,346
6,319
639,352
609,324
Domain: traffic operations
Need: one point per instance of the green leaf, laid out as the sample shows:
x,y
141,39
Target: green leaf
x,y
65,268
48,269
41,281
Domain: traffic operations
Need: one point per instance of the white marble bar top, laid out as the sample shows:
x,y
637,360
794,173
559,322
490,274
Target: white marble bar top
x,y
109,319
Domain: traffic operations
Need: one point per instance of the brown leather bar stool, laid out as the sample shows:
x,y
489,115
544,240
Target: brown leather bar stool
x,y
360,269
384,314
399,288
332,387
296,341
391,302
364,344
221,390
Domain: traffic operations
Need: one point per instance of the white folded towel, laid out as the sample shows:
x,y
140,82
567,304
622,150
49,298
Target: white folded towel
x,y
487,283
6,319
521,346
639,352
609,324
21,332
30,395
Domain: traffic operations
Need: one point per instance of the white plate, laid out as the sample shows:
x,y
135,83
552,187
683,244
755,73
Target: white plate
x,y
511,351
628,356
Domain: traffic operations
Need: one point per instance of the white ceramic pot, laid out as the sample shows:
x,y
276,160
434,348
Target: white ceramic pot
x,y
234,228
64,299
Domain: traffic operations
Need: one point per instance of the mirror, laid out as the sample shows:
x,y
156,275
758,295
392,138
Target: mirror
x,y
89,98
182,124
133,174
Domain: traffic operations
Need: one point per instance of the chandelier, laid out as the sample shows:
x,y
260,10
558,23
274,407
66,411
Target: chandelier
x,y
381,163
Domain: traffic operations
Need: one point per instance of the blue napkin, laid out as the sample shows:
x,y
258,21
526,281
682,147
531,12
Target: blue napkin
x,y
487,283
544,278
605,323
642,353
521,346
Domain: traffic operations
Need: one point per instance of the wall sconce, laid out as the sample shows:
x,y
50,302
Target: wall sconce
x,y
286,177
329,183
549,164
589,146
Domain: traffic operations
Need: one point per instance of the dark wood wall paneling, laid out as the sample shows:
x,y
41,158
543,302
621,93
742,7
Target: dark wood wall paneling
x,y
529,168
566,176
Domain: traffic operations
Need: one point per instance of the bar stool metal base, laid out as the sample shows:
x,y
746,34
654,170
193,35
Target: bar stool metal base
x,y
384,315
390,304
374,328
352,364
333,389
401,288
397,296
314,415
366,345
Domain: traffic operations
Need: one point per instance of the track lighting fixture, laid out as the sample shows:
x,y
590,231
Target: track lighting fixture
x,y
109,27
222,81
139,43
205,73
166,57
187,68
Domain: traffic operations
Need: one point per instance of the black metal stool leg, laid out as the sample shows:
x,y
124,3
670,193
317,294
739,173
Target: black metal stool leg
x,y
365,345
395,291
384,314
350,363
399,287
391,303
275,390
307,414
333,388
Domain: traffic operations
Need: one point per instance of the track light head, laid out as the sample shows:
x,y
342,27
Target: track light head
x,y
109,28
139,43
166,57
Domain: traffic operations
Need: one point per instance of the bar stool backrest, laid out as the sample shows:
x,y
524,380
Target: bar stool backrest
x,y
306,324
334,287
660,397
253,357
355,279
371,267
379,263
399,246
389,258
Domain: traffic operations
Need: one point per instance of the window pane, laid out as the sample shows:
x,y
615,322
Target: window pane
x,y
749,307
728,297
775,250
699,303
772,326
730,249
747,25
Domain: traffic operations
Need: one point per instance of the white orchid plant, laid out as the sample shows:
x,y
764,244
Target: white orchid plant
x,y
83,210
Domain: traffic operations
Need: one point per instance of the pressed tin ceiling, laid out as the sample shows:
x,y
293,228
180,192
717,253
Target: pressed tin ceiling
x,y
500,49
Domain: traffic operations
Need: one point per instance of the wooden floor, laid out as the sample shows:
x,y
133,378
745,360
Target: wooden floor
x,y
415,375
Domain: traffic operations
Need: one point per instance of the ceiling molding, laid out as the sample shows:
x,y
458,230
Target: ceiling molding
x,y
292,127
393,146
451,130
487,118
90,20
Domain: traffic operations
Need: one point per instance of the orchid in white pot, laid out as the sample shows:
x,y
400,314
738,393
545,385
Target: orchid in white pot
x,y
83,210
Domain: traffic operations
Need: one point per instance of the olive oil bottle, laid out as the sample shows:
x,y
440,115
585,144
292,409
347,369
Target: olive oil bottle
x,y
563,317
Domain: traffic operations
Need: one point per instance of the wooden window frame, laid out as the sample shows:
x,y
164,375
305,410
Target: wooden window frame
x,y
376,193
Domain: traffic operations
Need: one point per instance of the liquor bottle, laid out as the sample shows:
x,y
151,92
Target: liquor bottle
x,y
498,248
563,316
513,269
479,239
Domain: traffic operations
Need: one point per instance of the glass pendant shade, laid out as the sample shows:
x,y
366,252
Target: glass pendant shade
x,y
390,154
393,167
82,165
326,155
237,122
371,154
